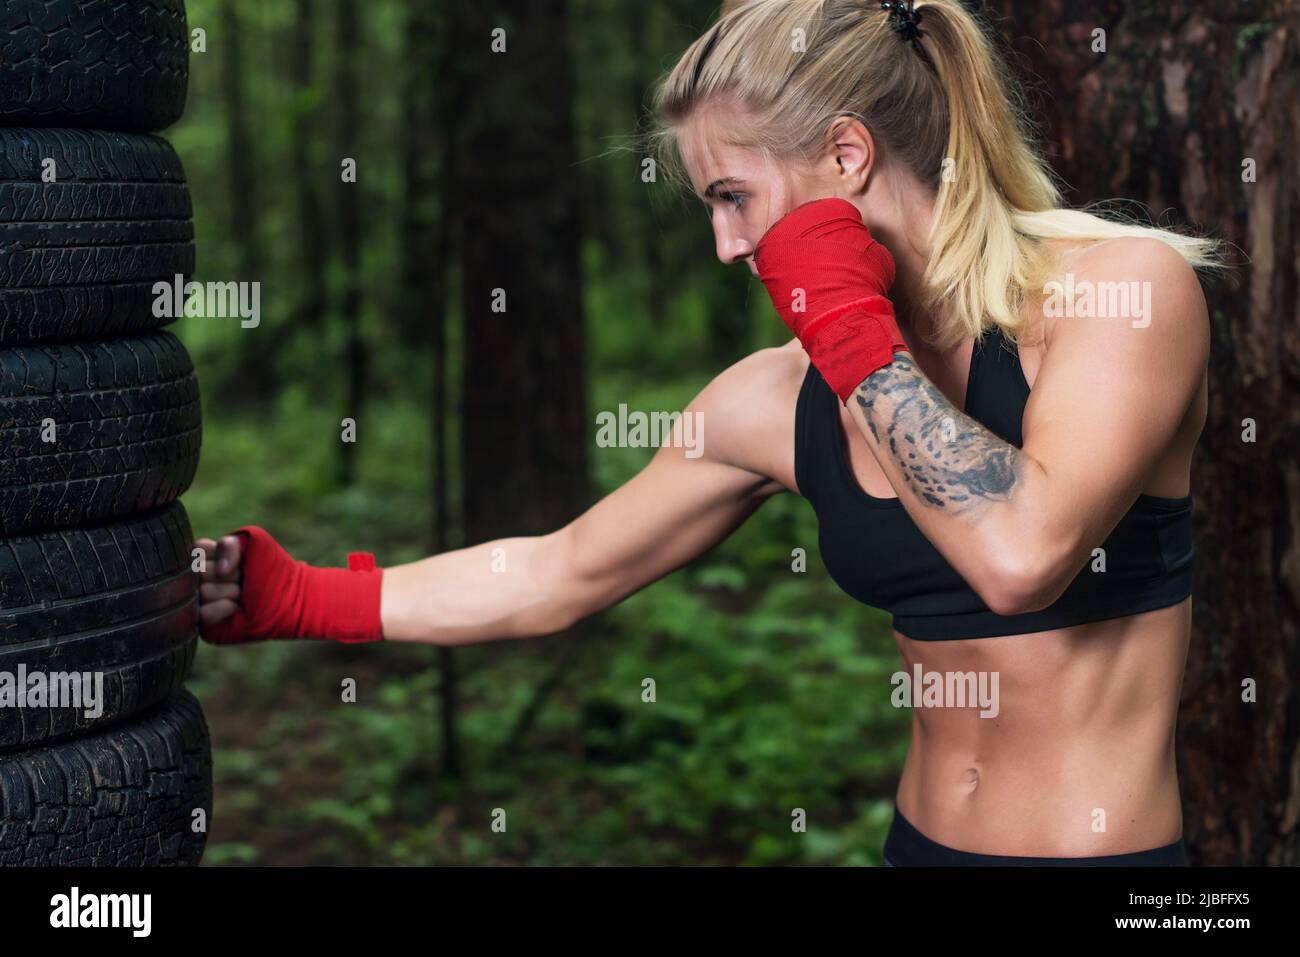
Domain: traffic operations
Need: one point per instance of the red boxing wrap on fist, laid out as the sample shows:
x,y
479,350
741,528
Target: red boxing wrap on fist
x,y
827,279
284,598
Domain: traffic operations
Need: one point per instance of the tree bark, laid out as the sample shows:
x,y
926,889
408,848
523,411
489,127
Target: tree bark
x,y
525,431
1167,115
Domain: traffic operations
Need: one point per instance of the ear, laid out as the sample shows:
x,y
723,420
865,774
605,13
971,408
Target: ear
x,y
852,152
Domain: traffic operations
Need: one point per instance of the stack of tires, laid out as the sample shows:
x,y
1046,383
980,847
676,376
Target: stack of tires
x,y
99,436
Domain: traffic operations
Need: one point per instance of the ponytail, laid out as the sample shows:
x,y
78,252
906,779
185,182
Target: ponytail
x,y
948,116
981,263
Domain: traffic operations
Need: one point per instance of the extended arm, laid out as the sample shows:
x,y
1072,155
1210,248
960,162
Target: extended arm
x,y
679,506
666,515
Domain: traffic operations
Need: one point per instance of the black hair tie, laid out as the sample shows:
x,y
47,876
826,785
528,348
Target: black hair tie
x,y
905,18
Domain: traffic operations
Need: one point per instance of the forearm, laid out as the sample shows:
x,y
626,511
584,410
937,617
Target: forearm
x,y
984,503
507,588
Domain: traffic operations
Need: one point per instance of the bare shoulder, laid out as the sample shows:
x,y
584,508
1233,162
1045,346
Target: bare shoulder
x,y
749,412
1126,327
1120,397
1140,285
1137,257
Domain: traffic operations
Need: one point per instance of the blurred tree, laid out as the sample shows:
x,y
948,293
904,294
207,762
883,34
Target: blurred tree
x,y
429,221
348,134
651,252
306,171
239,142
1206,122
245,204
525,427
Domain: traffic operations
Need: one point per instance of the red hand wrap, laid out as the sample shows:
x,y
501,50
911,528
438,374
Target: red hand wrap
x,y
284,598
846,325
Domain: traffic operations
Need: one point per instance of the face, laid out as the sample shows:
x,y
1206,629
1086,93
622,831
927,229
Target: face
x,y
743,193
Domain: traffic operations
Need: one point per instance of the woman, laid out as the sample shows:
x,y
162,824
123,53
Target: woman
x,y
994,425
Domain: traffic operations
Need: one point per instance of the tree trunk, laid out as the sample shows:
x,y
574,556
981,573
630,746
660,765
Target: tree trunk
x,y
1168,115
241,165
524,425
350,140
525,430
426,76
429,220
658,280
239,143
306,178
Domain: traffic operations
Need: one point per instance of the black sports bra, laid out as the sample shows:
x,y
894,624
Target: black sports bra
x,y
875,552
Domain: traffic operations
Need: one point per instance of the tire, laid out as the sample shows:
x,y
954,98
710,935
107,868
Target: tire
x,y
117,601
79,256
123,797
125,418
115,64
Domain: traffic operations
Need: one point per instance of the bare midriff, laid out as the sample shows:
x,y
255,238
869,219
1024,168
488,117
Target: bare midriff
x,y
1078,760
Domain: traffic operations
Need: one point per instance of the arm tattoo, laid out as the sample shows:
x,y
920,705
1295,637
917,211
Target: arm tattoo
x,y
947,459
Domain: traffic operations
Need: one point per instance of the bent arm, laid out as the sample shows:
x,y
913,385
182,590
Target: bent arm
x,y
672,511
1019,524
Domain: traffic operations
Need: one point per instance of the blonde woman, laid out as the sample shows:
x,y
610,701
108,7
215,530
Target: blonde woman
x,y
996,442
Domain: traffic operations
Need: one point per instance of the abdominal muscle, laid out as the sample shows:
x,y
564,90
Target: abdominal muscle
x,y
1079,759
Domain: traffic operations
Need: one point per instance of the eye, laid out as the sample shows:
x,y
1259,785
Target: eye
x,y
738,199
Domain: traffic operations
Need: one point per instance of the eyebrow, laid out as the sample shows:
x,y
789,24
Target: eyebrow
x,y
725,181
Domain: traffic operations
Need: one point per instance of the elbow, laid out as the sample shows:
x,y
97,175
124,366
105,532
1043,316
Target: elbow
x,y
556,598
545,616
555,617
1024,580
544,611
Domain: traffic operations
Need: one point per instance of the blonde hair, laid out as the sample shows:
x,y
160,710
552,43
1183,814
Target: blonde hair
x,y
945,113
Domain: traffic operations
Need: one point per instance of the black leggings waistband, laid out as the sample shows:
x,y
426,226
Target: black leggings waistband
x,y
905,846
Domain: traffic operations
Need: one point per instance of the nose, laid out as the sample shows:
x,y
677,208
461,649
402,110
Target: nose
x,y
731,247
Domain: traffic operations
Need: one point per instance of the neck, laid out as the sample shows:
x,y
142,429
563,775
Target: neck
x,y
918,325
902,222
